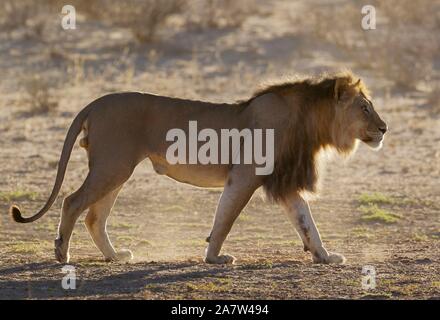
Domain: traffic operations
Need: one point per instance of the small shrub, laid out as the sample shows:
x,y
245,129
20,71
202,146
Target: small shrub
x,y
29,15
433,101
219,14
38,96
142,17
15,14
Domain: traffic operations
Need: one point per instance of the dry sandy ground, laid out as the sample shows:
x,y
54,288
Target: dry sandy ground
x,y
165,223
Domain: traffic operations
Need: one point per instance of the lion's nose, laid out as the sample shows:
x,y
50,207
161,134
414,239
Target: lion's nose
x,y
383,129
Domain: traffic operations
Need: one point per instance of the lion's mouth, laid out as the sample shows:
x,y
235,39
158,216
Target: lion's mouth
x,y
373,137
374,140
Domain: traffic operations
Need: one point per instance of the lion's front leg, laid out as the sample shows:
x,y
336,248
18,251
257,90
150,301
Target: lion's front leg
x,y
299,214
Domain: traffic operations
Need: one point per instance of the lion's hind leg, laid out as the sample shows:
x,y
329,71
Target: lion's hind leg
x,y
236,194
96,222
99,183
84,141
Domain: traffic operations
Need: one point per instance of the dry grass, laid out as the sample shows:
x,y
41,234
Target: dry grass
x,y
217,285
142,17
375,198
396,50
433,101
145,17
15,14
218,14
27,15
38,98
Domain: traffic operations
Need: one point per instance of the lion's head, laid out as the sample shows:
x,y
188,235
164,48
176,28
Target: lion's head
x,y
355,116
329,112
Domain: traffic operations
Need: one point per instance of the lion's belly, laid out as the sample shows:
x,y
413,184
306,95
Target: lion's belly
x,y
198,177
207,176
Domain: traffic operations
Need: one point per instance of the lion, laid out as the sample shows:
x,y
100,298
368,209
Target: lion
x,y
309,116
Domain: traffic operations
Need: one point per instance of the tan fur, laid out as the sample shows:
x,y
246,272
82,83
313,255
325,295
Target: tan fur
x,y
121,130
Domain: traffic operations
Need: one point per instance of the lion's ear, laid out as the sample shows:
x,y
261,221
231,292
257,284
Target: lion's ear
x,y
340,89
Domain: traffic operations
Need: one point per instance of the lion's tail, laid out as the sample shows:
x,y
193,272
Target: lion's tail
x,y
69,142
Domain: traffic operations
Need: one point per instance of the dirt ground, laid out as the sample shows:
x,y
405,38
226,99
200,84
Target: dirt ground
x,y
165,223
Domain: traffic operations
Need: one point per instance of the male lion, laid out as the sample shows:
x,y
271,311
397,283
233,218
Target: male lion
x,y
308,116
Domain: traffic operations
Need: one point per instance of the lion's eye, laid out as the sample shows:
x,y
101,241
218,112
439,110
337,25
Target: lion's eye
x,y
365,109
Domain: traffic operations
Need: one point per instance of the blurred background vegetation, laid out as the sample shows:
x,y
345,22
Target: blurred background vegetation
x,y
246,40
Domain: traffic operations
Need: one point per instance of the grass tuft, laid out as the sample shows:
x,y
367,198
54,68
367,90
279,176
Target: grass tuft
x,y
25,248
373,213
376,198
219,285
10,196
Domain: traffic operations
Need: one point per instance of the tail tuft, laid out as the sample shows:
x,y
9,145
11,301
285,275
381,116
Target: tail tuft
x,y
16,214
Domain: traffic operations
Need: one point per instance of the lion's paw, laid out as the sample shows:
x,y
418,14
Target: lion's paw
x,y
223,259
331,258
124,255
61,254
336,258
